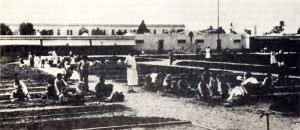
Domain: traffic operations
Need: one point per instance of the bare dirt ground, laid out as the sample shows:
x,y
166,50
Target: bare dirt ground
x,y
147,104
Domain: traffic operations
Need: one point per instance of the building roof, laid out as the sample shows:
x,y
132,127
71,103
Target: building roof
x,y
105,25
268,37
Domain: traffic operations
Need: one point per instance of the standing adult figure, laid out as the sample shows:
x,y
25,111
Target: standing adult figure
x,y
83,70
31,59
273,58
207,53
171,56
132,75
280,58
54,57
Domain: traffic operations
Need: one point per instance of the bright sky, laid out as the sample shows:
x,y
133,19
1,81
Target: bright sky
x,y
195,14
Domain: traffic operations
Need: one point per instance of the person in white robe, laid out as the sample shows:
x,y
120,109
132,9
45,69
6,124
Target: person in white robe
x,y
207,53
55,58
132,75
273,58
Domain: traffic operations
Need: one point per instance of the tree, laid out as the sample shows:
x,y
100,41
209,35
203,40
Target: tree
x,y
173,30
82,31
142,28
232,29
191,35
46,32
119,32
277,29
26,29
96,31
247,31
210,29
125,31
5,30
220,31
298,32
179,30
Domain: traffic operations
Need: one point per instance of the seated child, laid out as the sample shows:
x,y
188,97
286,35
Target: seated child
x,y
167,83
250,83
203,86
183,85
213,85
50,92
65,91
266,84
68,70
237,94
103,90
20,92
150,81
21,62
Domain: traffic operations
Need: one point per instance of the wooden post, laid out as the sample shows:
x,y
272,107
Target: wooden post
x,y
268,124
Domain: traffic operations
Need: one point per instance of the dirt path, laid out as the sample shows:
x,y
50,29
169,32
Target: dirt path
x,y
218,117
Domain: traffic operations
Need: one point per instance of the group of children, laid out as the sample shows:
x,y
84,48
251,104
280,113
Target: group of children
x,y
58,89
208,85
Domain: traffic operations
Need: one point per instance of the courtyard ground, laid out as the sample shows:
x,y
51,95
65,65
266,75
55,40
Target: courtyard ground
x,y
147,104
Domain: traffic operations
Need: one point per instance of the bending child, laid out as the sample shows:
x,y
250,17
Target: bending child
x,y
20,92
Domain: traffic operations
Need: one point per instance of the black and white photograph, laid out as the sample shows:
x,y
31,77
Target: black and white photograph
x,y
150,64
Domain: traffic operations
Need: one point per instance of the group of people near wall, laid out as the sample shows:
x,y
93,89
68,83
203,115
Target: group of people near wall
x,y
172,57
39,61
209,85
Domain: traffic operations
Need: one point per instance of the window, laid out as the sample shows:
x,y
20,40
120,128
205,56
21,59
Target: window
x,y
154,31
139,41
199,41
181,41
68,32
71,32
237,41
58,32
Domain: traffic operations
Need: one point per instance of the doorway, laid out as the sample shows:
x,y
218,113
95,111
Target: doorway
x,y
160,46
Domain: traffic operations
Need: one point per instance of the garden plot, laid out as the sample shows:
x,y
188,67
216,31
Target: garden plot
x,y
41,114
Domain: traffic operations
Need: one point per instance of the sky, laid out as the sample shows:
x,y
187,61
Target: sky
x,y
194,14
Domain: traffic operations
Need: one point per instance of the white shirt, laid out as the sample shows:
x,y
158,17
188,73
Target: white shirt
x,y
237,91
153,77
250,80
130,60
23,87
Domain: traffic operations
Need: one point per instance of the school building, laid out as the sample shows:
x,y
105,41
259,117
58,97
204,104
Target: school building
x,y
162,37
